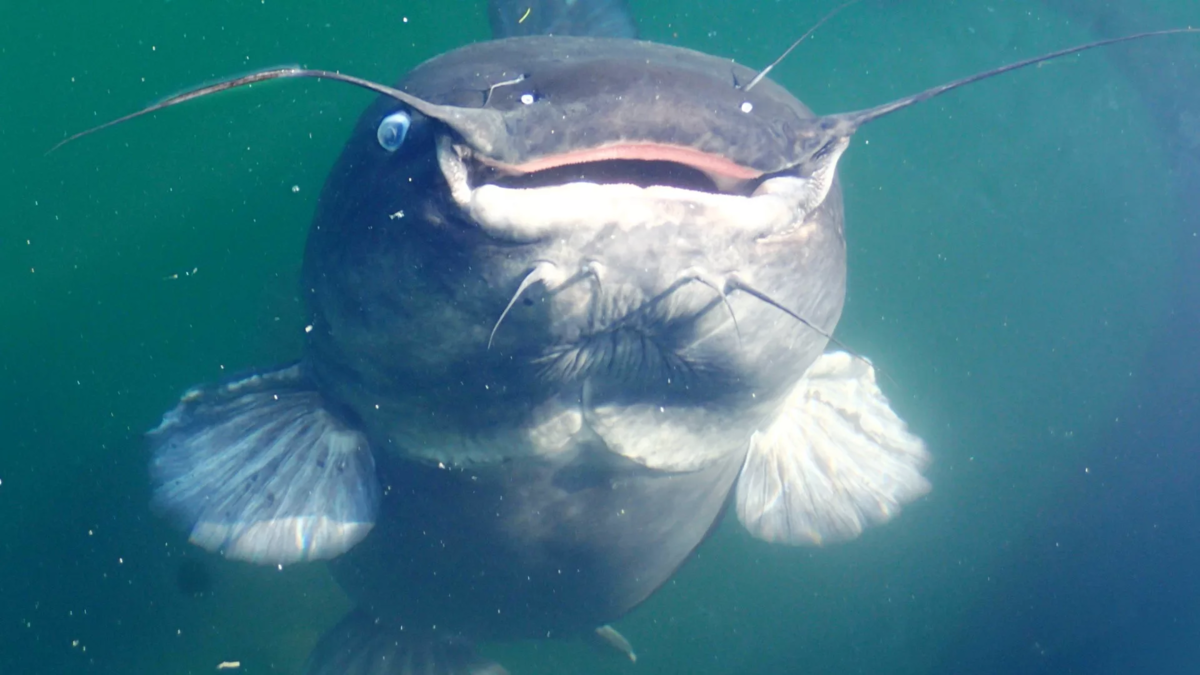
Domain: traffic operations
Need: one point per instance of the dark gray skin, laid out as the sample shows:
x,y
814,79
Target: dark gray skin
x,y
526,540
402,308
530,550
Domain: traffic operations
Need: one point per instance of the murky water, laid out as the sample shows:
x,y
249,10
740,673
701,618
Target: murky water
x,y
1023,264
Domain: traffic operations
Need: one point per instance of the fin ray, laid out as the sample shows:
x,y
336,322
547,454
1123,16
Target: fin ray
x,y
836,459
260,470
362,645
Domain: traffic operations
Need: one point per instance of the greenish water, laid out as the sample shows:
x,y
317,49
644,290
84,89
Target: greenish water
x,y
1013,248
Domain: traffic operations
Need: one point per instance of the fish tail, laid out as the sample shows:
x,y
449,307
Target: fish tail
x,y
362,645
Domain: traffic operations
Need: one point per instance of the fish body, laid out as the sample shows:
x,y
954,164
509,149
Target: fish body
x,y
568,298
546,476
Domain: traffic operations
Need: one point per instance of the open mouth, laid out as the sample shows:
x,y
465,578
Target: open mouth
x,y
641,173
629,186
640,164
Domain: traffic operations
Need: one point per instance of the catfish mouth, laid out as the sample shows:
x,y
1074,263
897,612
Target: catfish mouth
x,y
629,185
642,173
641,164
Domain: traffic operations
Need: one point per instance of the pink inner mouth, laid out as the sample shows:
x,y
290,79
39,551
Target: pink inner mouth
x,y
713,165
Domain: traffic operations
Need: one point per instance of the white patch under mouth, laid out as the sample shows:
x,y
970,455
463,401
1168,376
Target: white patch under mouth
x,y
529,214
577,225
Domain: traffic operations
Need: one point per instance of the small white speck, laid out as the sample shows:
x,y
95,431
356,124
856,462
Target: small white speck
x,y
527,99
295,188
747,106
398,214
308,329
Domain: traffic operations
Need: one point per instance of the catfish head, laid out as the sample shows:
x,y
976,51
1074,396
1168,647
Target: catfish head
x,y
534,242
585,215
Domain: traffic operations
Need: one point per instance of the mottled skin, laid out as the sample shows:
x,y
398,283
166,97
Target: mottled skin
x,y
646,393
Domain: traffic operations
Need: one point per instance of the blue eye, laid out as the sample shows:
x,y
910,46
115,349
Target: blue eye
x,y
392,131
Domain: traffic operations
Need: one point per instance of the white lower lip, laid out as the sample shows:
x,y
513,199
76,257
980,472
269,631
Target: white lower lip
x,y
534,213
528,214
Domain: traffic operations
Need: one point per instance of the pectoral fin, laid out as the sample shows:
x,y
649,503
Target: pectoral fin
x,y
835,459
260,470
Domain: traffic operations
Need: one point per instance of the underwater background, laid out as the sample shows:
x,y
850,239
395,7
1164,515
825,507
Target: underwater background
x,y
1024,266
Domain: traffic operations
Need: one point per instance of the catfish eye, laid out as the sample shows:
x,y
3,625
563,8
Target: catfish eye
x,y
392,131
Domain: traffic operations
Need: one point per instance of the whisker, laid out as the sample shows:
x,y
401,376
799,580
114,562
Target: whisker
x,y
540,272
705,279
734,283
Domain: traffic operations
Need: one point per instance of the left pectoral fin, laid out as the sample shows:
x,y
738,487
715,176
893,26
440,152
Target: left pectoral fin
x,y
259,469
835,459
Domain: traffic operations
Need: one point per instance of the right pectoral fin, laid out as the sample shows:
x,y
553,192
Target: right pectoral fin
x,y
836,459
259,470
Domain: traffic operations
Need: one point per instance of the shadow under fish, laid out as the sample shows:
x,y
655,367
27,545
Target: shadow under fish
x,y
569,297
